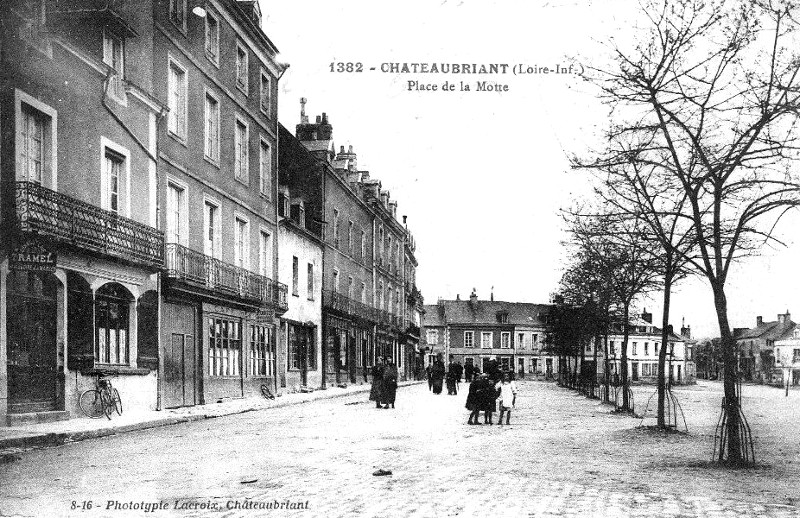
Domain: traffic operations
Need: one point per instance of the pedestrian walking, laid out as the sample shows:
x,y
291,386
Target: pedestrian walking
x,y
428,375
452,373
437,376
376,393
508,397
389,383
468,372
477,390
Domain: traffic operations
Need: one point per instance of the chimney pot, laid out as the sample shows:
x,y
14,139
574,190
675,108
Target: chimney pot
x,y
350,149
759,320
319,119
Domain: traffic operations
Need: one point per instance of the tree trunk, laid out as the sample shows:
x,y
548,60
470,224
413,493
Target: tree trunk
x,y
624,357
729,377
662,353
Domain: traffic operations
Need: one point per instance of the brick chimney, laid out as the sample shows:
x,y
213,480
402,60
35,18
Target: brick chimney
x,y
784,317
473,297
759,320
686,332
647,317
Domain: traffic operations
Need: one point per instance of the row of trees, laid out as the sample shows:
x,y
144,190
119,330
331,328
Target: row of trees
x,y
696,169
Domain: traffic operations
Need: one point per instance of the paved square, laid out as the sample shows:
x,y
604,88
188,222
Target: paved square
x,y
563,455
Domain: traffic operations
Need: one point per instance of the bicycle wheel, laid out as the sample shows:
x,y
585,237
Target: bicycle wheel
x,y
108,402
91,403
117,401
266,392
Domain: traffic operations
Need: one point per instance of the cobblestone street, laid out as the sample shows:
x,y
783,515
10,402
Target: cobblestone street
x,y
563,455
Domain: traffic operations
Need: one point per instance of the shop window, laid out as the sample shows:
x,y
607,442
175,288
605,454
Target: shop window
x,y
262,351
112,324
147,331
224,346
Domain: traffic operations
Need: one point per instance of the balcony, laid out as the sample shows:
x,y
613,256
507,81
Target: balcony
x,y
202,271
73,222
348,306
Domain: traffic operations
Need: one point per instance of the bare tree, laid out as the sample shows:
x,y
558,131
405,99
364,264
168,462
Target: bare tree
x,y
618,248
713,90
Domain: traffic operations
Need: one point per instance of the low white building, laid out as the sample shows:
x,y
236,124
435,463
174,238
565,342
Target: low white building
x,y
644,343
787,359
300,267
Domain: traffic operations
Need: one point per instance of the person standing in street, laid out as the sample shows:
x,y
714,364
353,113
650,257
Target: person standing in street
x,y
389,383
452,372
428,375
475,396
437,376
489,397
508,397
376,393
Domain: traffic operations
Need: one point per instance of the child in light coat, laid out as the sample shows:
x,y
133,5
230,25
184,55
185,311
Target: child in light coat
x,y
508,396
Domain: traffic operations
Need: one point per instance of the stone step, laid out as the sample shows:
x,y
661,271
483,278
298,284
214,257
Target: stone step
x,y
36,417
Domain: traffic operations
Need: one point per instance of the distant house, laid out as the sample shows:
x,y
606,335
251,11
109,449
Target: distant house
x,y
787,360
755,347
476,331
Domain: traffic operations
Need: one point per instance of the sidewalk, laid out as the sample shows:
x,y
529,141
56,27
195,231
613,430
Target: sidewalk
x,y
13,439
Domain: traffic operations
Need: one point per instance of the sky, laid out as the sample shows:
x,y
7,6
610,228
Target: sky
x,y
483,175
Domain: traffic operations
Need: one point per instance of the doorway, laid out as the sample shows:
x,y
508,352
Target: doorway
x,y
180,356
31,336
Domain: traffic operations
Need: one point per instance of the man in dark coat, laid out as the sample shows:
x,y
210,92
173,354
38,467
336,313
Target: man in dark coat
x,y
428,375
489,399
468,372
389,383
437,376
452,377
376,394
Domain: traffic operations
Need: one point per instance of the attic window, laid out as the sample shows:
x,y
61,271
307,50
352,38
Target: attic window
x,y
502,318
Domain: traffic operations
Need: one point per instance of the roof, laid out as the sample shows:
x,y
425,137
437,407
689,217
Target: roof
x,y
769,331
485,312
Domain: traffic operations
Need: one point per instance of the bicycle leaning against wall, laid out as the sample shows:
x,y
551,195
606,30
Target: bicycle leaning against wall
x,y
101,400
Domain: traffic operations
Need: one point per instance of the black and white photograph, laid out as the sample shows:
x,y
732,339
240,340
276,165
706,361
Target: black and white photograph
x,y
432,258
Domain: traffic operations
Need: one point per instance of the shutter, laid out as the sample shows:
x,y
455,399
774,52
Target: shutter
x,y
80,324
147,331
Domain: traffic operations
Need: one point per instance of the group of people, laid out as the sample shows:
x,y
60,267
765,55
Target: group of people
x,y
384,383
483,394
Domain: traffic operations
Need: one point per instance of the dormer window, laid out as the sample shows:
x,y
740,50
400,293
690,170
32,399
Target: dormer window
x,y
502,317
114,51
299,214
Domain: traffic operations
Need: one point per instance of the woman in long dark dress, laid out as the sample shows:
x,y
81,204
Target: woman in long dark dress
x,y
376,393
389,383
437,376
474,397
489,396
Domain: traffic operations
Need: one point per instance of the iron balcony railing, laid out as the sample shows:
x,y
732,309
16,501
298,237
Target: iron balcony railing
x,y
200,270
346,305
70,221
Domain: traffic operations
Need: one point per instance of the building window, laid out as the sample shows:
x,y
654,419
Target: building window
x,y
432,337
335,281
265,93
176,214
295,276
611,350
349,287
469,338
521,340
224,346
212,128
363,295
114,52
398,301
646,348
310,280
486,340
177,100
241,151
350,237
633,349
177,13
363,245
505,340
32,144
265,169
262,351
380,295
113,181
211,229
534,340
212,37
241,250
335,228
112,322
301,348
265,254
241,67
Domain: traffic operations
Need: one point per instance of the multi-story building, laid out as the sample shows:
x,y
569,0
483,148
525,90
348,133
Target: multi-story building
x,y
786,368
755,346
644,343
476,331
78,262
301,259
217,187
415,357
363,266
